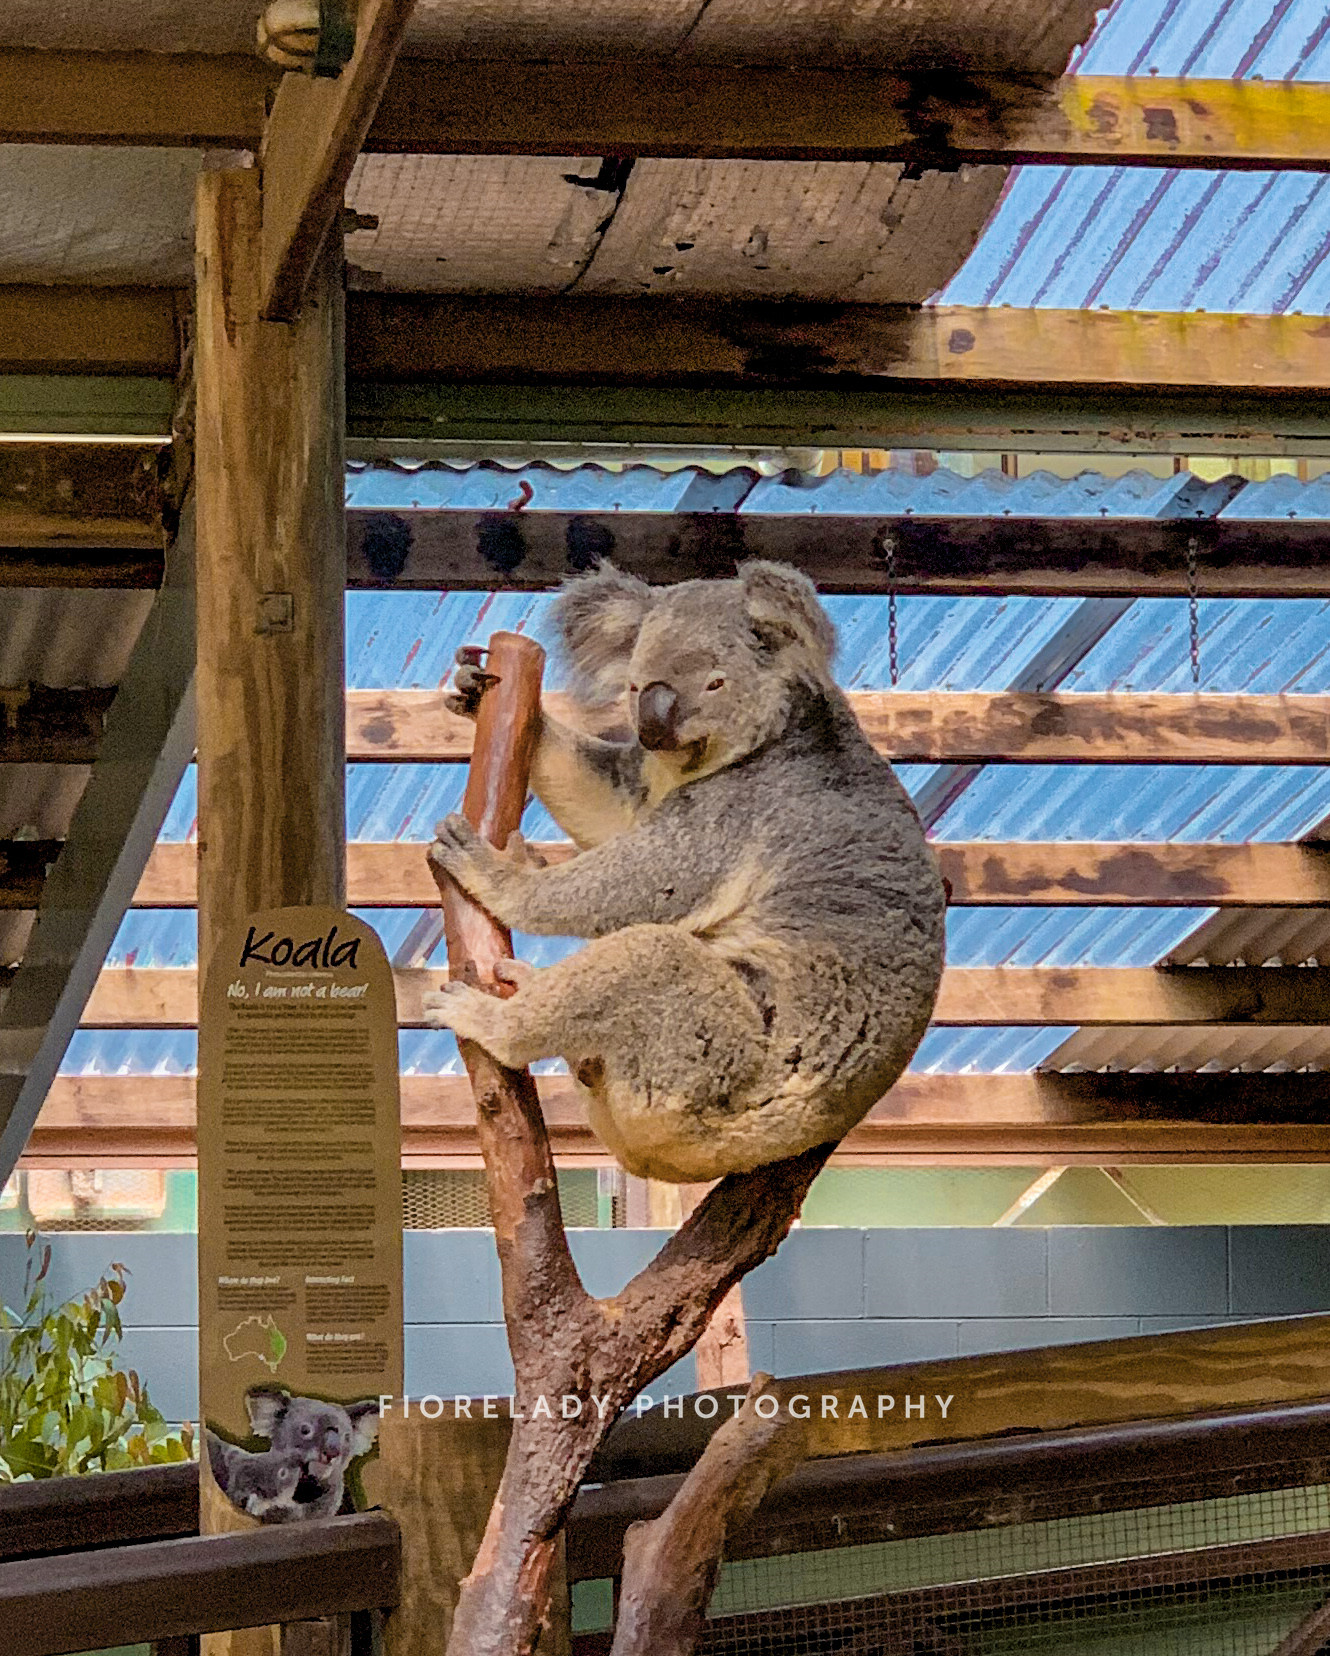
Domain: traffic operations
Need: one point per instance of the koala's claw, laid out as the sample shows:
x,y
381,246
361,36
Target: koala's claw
x,y
520,854
516,972
470,682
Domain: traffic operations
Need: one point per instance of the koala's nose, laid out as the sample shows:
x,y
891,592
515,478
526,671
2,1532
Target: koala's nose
x,y
658,716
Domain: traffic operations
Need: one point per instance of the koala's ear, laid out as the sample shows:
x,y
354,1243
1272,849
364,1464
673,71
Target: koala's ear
x,y
783,609
598,617
221,1458
365,1420
267,1409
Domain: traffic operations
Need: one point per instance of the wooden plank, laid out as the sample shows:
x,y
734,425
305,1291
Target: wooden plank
x,y
1026,1120
175,99
141,748
143,997
314,133
654,108
204,1583
669,109
1140,1378
58,1515
981,874
95,502
937,727
1087,557
489,338
77,330
952,1488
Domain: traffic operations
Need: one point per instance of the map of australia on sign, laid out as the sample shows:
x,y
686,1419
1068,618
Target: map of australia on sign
x,y
256,1337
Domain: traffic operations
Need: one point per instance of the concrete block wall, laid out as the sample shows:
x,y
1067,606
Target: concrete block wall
x,y
831,1299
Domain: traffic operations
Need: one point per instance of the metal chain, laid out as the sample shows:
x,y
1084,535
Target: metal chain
x,y
893,638
1193,611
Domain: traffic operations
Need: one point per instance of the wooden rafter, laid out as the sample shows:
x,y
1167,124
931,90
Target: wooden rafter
x,y
44,726
142,997
1021,1120
1087,557
97,501
663,109
981,874
612,341
140,754
493,339
310,143
933,727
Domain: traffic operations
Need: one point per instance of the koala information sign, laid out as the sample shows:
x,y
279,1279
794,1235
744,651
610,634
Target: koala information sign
x,y
300,1209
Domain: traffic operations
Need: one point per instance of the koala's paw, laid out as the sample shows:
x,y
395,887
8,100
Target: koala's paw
x,y
471,1015
518,854
516,972
470,682
459,852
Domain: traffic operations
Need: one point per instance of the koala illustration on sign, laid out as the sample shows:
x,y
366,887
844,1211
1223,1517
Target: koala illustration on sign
x,y
318,1439
765,917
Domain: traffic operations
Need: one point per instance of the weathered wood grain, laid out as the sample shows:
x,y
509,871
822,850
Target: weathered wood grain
x,y
1026,1120
1006,873
312,137
944,727
501,339
146,997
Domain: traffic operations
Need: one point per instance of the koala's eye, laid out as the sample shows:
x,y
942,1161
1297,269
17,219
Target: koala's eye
x,y
306,1430
716,684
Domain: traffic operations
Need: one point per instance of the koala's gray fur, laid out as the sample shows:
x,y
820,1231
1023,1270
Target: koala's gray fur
x,y
323,1437
263,1485
765,915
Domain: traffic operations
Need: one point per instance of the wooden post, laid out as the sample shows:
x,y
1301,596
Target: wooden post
x,y
271,571
563,1342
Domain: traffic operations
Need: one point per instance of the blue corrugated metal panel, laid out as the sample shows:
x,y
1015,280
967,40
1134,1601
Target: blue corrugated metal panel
x,y
986,1051
1282,497
1275,39
887,493
1229,804
944,493
404,486
1156,239
1256,646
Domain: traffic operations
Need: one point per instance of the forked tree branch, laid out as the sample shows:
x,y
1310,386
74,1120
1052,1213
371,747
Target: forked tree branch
x,y
670,1563
563,1342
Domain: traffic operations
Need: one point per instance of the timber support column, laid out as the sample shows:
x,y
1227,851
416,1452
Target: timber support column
x,y
271,539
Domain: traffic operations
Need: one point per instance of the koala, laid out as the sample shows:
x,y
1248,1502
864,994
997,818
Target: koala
x,y
323,1438
764,915
262,1485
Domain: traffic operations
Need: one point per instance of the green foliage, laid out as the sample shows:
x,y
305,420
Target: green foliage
x,y
65,1405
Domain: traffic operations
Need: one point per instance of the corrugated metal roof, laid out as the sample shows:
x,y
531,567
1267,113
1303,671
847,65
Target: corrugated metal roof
x,y
536,486
1169,239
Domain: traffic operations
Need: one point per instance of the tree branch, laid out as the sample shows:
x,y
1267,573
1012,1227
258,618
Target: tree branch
x,y
671,1563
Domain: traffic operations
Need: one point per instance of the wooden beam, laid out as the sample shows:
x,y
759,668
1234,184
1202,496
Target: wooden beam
x,y
653,108
140,754
269,469
198,1584
1104,997
664,109
176,98
1085,557
611,341
314,133
44,726
93,509
981,875
88,330
936,727
1024,1120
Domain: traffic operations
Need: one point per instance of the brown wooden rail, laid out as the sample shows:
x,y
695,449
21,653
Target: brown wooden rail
x,y
170,1590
